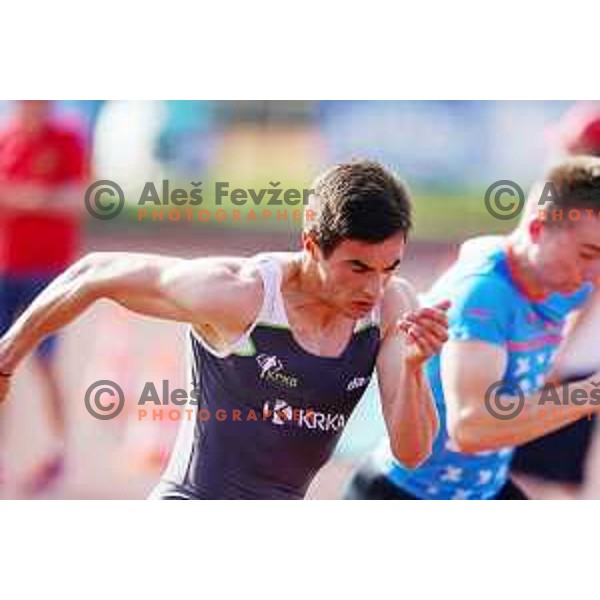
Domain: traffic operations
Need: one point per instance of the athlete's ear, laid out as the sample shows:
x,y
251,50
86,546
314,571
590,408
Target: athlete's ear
x,y
535,227
309,244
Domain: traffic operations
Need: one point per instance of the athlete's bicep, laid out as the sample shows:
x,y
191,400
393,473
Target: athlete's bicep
x,y
398,300
215,291
469,369
475,357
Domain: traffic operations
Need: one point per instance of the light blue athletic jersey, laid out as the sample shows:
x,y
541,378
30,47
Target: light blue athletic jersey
x,y
487,305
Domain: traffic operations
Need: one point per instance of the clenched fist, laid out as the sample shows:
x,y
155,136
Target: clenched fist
x,y
425,330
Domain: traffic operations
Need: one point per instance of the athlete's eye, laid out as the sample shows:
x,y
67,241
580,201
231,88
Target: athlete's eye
x,y
359,269
589,252
356,266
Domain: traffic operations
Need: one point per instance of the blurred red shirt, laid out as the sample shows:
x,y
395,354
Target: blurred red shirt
x,y
41,241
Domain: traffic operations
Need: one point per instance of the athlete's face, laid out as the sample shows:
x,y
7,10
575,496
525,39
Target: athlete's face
x,y
567,255
353,277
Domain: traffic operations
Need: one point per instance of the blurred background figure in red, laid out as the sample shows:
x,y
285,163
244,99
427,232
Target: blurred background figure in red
x,y
578,132
43,173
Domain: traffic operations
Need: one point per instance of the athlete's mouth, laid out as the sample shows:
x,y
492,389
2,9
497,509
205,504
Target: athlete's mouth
x,y
569,287
366,306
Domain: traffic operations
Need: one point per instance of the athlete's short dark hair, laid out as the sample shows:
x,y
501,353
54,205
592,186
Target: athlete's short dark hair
x,y
359,200
573,184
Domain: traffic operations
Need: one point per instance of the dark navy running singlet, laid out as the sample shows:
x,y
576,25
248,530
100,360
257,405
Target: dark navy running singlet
x,y
269,413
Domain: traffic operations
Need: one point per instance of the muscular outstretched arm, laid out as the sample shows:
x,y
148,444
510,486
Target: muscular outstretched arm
x,y
217,292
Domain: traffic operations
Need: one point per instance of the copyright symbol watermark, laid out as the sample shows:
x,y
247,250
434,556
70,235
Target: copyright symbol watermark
x,y
504,208
504,400
104,199
101,408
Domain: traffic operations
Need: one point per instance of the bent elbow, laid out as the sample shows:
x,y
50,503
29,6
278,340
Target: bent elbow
x,y
411,458
87,264
92,260
82,275
467,437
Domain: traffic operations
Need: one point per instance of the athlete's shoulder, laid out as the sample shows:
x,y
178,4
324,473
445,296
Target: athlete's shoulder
x,y
480,268
281,260
250,276
482,255
228,285
401,292
240,289
398,299
481,247
489,288
482,304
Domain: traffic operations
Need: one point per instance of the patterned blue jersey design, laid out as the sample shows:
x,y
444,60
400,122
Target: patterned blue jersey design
x,y
488,306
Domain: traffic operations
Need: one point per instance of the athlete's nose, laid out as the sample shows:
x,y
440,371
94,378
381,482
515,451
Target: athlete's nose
x,y
375,287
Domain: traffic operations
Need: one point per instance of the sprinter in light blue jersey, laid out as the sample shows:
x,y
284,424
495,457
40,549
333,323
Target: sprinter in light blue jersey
x,y
510,298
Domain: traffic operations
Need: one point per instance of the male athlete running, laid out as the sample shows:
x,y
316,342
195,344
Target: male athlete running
x,y
284,344
563,463
510,300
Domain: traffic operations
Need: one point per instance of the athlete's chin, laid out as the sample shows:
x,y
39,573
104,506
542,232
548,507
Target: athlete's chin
x,y
567,287
357,310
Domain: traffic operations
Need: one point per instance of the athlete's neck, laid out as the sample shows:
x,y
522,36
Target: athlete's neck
x,y
306,293
519,261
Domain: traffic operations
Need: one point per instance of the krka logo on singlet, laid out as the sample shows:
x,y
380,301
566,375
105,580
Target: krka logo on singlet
x,y
271,369
282,413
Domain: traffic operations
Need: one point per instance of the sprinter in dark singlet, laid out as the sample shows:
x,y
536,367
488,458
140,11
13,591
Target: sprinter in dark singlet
x,y
282,345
